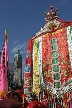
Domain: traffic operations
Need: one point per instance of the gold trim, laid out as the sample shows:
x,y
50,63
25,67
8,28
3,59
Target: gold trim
x,y
3,93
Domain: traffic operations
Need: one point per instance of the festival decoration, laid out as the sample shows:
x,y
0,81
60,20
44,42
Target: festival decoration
x,y
52,59
4,68
36,84
28,68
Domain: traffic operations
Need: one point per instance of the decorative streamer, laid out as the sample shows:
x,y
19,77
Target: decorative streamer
x,y
40,60
46,58
63,55
36,86
4,69
28,66
69,40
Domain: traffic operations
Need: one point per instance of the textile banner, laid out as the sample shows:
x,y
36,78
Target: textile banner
x,y
63,55
55,58
3,73
36,85
64,60
28,66
46,58
40,60
69,40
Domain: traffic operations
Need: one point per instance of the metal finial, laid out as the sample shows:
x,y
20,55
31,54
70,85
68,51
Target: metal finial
x,y
51,15
6,33
57,9
51,7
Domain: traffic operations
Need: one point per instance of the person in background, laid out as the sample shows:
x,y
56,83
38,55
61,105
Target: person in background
x,y
16,96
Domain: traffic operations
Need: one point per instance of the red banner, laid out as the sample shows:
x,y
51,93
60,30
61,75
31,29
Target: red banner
x,y
28,66
46,57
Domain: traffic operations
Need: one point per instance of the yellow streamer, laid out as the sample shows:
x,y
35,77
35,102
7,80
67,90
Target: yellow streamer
x,y
36,86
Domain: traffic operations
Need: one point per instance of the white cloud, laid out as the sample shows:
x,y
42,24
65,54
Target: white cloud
x,y
15,42
22,48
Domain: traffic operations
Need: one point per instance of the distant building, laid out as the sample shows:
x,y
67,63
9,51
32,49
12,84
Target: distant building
x,y
11,68
10,74
17,78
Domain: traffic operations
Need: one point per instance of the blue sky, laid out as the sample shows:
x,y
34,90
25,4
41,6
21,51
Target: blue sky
x,y
24,18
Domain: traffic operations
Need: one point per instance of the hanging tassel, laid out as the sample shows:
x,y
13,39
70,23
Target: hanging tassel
x,y
54,102
61,102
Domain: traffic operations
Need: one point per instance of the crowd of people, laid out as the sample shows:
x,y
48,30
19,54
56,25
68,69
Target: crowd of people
x,y
15,100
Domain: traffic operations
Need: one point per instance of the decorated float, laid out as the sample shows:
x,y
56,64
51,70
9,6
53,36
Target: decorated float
x,y
48,65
